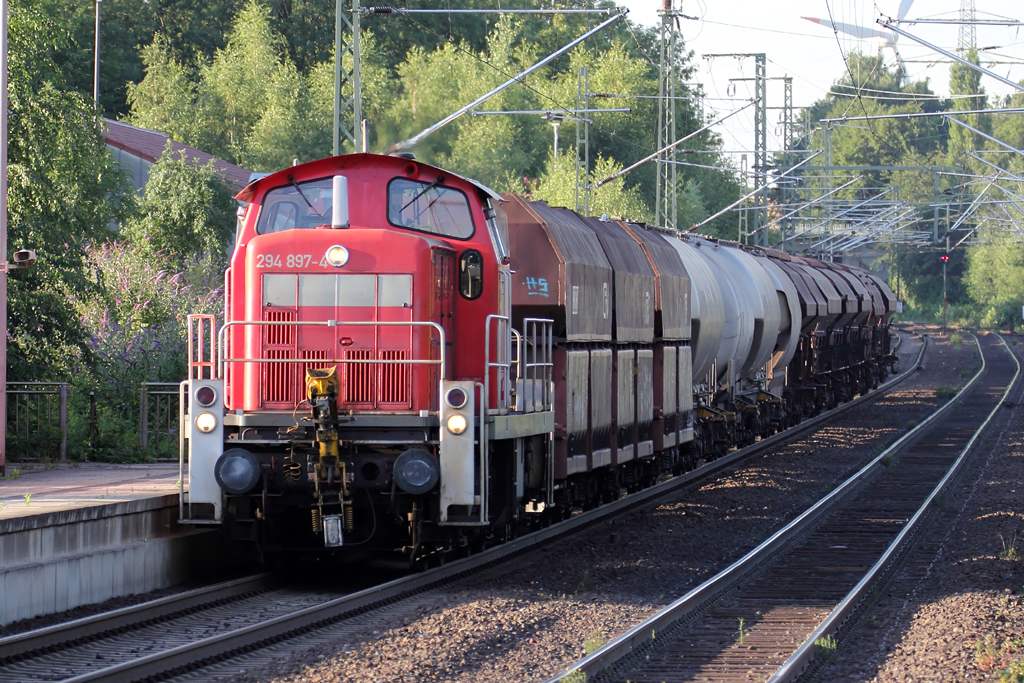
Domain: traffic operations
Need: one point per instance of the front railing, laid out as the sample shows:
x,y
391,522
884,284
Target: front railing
x,y
536,365
501,366
224,360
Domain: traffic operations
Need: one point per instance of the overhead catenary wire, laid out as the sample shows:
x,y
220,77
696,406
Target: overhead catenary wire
x,y
668,147
406,144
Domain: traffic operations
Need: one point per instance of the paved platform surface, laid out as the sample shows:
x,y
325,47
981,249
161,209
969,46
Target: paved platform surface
x,y
37,490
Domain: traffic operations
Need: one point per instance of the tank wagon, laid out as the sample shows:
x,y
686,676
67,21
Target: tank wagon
x,y
410,362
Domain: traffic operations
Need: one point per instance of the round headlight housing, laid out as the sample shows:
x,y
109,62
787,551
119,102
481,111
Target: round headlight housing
x,y
416,471
456,424
206,396
456,398
206,422
237,471
337,256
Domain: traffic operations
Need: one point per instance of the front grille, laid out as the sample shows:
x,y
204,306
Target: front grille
x,y
358,386
394,386
278,378
279,335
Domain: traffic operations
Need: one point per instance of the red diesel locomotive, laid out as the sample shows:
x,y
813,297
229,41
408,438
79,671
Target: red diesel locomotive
x,y
410,362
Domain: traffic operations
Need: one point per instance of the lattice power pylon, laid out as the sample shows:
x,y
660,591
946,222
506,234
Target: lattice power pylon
x,y
583,143
348,97
665,197
760,146
968,35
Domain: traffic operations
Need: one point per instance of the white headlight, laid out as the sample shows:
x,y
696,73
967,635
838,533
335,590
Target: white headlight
x,y
337,256
457,424
206,422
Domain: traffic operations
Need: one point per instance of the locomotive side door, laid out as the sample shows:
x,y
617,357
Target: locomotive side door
x,y
442,312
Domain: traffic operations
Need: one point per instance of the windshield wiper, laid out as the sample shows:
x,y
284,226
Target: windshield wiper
x,y
291,179
428,188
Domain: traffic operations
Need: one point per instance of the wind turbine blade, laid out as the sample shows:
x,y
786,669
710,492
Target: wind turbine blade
x,y
899,59
904,8
861,32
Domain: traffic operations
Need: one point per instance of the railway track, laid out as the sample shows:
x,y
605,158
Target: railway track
x,y
174,635
773,613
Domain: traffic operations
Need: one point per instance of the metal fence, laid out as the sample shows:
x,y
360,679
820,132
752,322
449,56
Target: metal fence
x,y
158,416
31,411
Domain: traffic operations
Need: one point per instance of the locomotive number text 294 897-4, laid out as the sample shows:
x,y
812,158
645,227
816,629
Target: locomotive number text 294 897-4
x,y
287,261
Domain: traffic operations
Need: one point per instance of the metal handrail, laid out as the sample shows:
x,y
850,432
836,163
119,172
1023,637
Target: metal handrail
x,y
182,393
541,332
504,368
222,342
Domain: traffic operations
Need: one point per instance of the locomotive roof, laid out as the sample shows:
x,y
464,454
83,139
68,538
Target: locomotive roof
x,y
281,177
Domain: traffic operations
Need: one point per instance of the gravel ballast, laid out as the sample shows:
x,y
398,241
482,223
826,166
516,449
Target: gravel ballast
x,y
954,612
531,618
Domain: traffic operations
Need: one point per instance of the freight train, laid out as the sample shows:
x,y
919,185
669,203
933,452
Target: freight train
x,y
411,363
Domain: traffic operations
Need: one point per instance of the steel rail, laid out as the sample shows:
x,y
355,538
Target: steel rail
x,y
805,654
207,650
645,633
98,624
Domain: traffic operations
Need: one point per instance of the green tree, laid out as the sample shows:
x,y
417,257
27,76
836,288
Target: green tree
x,y
558,188
64,190
186,210
965,86
250,105
166,99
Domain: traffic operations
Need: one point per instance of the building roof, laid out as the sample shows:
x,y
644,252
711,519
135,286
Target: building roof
x,y
150,145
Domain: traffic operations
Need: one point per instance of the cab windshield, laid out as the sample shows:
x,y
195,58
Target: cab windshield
x,y
301,205
429,207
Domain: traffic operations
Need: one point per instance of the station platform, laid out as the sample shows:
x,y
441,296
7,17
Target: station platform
x,y
73,535
59,488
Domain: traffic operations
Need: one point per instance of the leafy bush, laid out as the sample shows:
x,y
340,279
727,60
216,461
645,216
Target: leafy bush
x,y
137,332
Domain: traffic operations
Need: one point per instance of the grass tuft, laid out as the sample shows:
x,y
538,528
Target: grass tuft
x,y
946,392
825,648
1009,551
593,642
586,584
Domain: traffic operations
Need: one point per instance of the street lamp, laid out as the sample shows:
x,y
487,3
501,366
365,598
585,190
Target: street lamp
x,y
555,120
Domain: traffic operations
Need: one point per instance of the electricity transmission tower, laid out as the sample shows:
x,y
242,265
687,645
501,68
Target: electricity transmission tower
x,y
348,107
665,196
968,36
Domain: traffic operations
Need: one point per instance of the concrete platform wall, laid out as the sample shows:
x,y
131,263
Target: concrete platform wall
x,y
56,561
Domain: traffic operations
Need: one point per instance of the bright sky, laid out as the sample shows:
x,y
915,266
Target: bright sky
x,y
813,55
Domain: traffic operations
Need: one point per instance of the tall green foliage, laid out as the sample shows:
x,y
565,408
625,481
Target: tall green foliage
x,y
995,279
186,211
558,188
64,190
249,105
965,82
